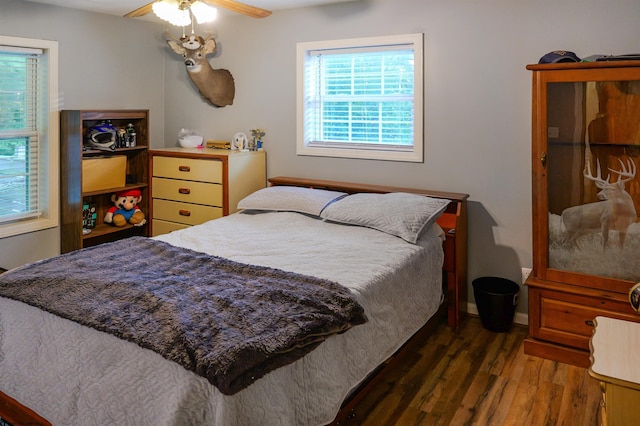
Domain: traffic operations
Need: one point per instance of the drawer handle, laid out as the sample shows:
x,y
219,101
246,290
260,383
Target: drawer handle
x,y
184,168
184,190
589,323
184,213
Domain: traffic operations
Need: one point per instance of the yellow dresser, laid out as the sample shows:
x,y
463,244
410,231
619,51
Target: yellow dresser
x,y
615,347
190,186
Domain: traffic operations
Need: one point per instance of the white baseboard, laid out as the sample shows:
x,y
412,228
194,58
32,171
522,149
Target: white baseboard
x,y
518,318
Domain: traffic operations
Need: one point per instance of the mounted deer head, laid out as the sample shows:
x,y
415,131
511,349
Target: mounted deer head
x,y
216,86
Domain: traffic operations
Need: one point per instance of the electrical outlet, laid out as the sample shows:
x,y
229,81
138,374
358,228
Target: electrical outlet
x,y
525,274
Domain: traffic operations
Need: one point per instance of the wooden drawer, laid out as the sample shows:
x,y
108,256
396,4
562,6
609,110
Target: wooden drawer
x,y
209,194
620,407
567,318
163,227
189,214
188,168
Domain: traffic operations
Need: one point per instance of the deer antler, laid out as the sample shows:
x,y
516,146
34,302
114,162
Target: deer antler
x,y
171,37
629,174
589,175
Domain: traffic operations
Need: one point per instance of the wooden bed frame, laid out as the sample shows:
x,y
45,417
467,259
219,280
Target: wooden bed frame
x,y
454,272
454,223
16,414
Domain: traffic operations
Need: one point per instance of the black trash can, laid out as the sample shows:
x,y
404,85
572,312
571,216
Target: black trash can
x,y
496,300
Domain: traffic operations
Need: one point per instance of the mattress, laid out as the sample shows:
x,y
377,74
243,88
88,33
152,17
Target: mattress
x,y
74,375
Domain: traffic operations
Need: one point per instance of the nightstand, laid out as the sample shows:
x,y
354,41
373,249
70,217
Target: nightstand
x,y
615,348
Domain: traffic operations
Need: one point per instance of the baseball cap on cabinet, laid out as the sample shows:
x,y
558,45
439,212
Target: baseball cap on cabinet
x,y
559,56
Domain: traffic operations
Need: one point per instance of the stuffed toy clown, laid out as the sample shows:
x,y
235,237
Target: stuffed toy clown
x,y
125,209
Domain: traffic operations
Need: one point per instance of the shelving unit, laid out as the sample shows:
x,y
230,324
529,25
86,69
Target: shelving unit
x,y
73,127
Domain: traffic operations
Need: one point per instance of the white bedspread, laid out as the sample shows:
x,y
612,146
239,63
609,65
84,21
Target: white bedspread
x,y
73,375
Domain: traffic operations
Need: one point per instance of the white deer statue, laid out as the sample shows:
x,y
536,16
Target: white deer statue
x,y
615,212
216,86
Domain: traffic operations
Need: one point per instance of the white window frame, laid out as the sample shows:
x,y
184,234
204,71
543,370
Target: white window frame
x,y
356,150
48,149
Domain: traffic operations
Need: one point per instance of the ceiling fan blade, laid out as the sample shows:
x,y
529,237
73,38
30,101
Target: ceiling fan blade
x,y
141,11
232,5
242,8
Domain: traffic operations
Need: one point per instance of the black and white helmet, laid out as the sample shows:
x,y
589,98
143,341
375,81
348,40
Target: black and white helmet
x,y
101,136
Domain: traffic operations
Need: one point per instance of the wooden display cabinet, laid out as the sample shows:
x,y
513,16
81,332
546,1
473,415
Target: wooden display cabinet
x,y
73,128
586,195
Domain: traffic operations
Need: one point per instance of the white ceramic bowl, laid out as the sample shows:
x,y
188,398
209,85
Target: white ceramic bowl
x,y
192,141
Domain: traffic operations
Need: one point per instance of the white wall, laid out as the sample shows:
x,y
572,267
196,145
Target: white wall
x,y
478,93
106,62
478,98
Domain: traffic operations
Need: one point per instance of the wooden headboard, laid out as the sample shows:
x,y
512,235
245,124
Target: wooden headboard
x,y
453,221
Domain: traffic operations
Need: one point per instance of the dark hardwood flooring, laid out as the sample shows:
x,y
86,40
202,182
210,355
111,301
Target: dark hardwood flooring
x,y
478,377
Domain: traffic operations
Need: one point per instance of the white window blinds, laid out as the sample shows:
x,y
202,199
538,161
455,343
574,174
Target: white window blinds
x,y
22,98
29,124
361,98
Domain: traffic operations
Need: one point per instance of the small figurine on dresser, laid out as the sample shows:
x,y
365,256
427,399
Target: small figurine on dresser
x,y
256,139
125,209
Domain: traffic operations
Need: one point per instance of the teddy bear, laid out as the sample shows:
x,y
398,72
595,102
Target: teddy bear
x,y
125,209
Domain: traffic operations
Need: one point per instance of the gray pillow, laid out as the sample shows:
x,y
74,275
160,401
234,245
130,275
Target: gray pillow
x,y
398,213
290,198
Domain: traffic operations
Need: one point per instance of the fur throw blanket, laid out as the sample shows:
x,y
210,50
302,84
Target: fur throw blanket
x,y
229,322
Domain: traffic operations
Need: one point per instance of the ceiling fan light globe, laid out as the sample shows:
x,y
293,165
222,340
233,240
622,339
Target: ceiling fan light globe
x,y
168,10
181,19
203,12
163,9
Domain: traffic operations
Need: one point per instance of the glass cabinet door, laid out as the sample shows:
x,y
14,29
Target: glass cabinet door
x,y
591,184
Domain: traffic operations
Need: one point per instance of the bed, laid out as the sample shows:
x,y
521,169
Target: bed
x,y
404,281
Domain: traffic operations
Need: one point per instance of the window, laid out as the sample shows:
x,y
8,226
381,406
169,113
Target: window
x,y
361,98
28,135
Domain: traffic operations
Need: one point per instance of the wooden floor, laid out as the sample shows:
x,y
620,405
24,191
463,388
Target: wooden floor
x,y
479,377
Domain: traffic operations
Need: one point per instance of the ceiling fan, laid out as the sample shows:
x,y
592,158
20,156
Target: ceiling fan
x,y
232,5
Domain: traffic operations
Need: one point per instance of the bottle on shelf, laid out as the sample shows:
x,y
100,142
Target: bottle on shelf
x,y
131,135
